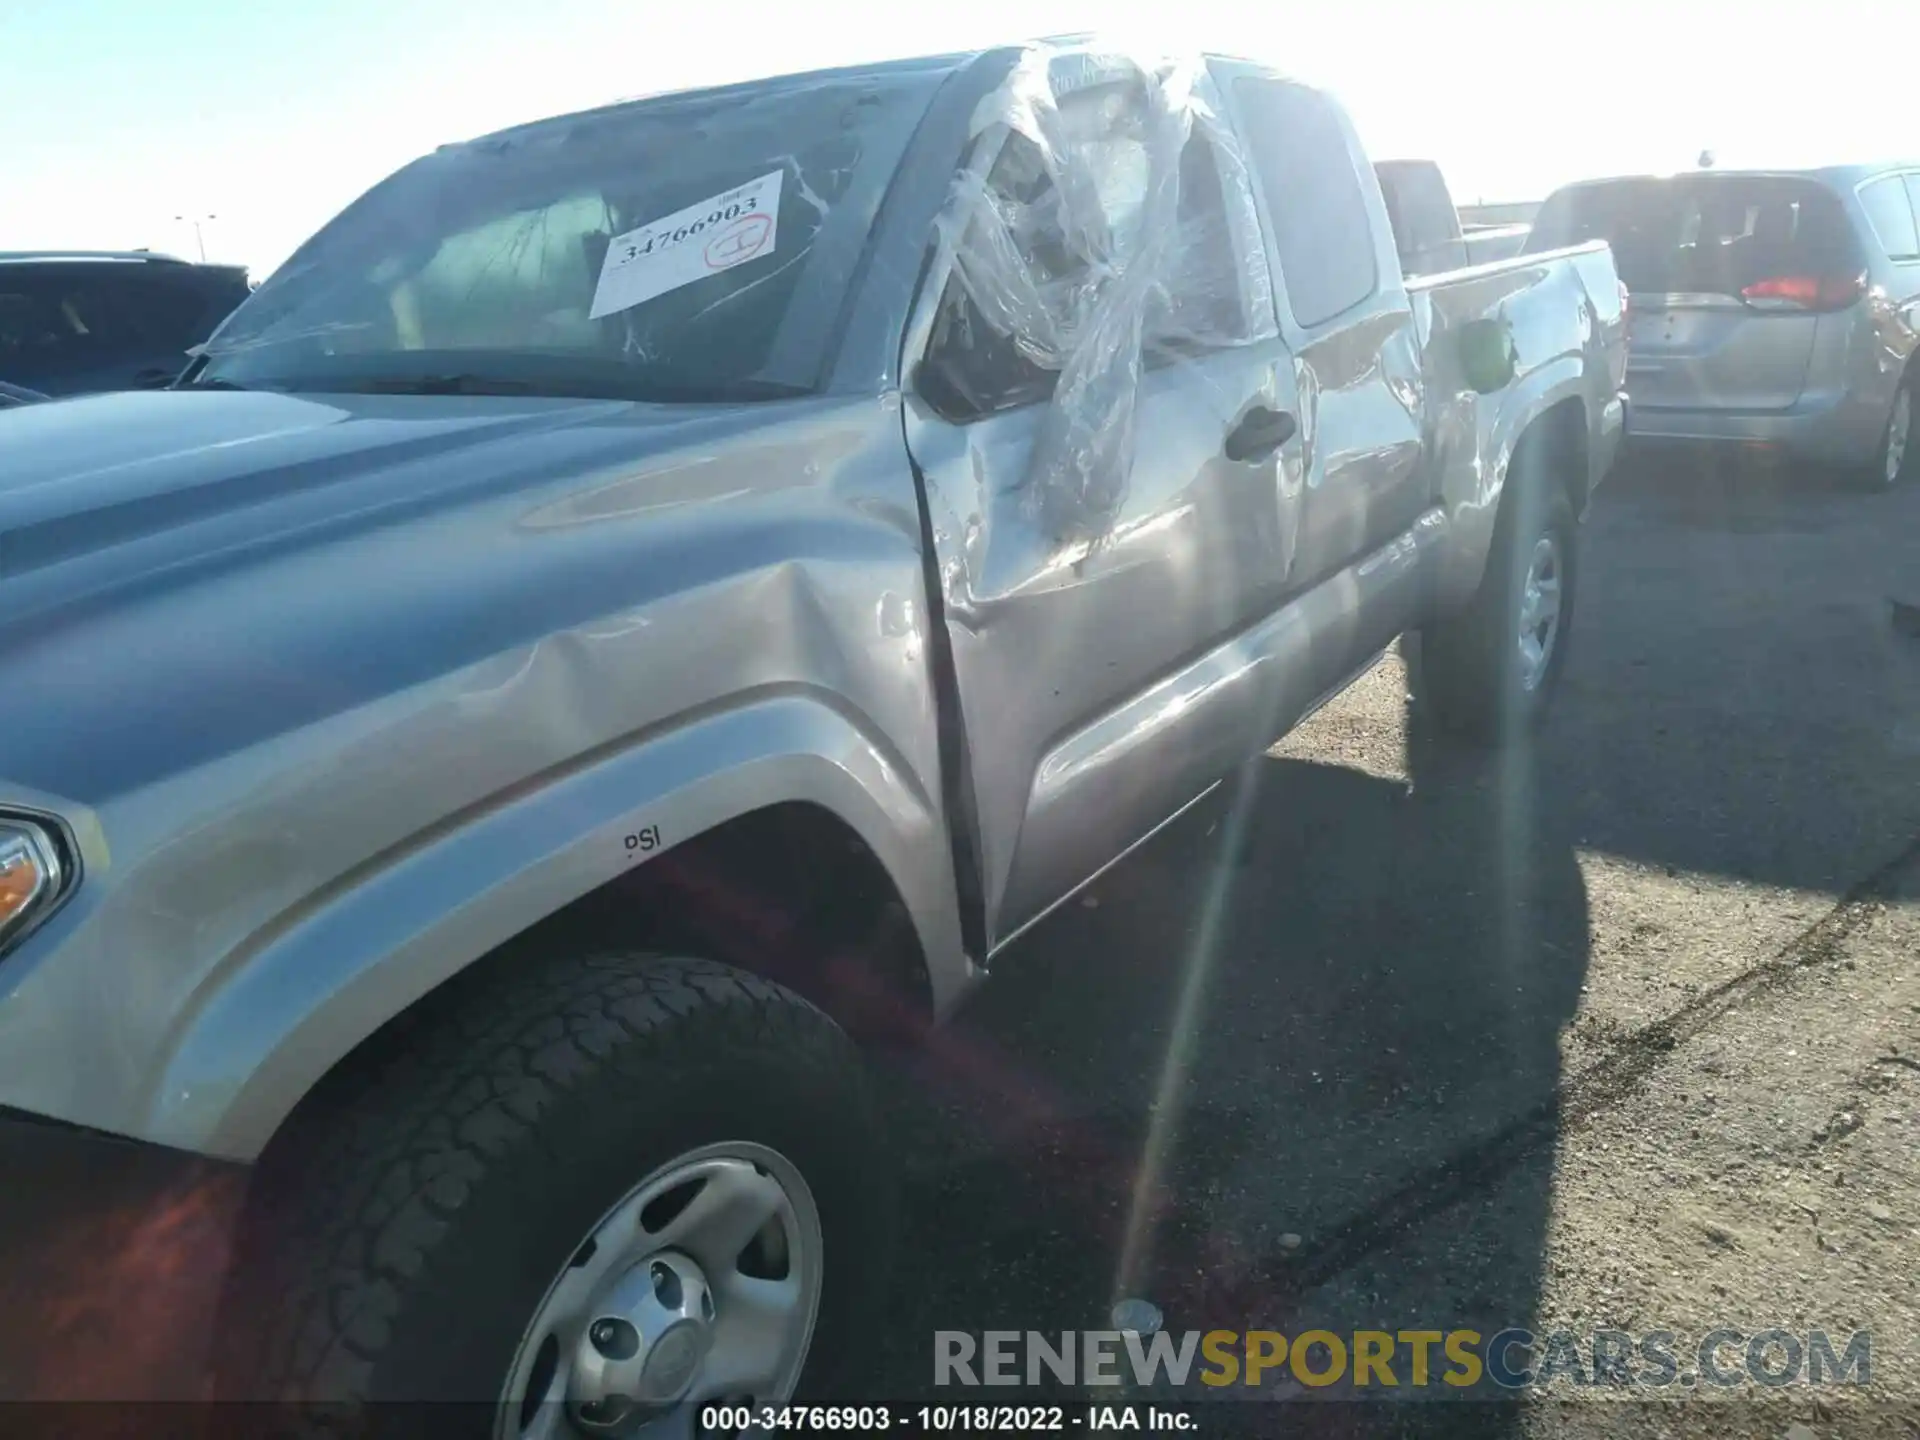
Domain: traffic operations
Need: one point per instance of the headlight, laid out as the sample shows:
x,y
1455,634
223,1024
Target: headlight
x,y
32,876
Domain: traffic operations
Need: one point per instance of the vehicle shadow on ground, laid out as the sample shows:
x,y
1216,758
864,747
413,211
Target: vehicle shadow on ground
x,y
1738,702
1714,490
1358,1106
1302,1022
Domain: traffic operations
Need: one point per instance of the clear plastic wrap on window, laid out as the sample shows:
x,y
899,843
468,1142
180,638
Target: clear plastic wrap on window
x,y
1096,243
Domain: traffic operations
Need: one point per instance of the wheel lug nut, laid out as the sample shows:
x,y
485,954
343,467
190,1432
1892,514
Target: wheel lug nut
x,y
614,1339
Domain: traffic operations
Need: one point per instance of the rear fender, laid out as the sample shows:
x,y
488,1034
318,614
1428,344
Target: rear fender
x,y
1472,493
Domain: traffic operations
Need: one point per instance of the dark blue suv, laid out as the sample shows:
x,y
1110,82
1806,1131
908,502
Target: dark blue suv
x,y
76,323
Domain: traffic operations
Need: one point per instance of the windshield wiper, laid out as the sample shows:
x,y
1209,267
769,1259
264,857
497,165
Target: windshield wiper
x,y
462,384
595,386
667,392
212,382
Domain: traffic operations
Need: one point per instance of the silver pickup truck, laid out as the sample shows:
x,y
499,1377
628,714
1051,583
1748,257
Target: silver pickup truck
x,y
645,602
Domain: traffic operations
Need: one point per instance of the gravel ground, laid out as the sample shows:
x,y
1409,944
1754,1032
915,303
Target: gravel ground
x,y
1620,1034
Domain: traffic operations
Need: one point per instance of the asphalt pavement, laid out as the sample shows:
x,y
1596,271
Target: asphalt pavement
x,y
1388,1035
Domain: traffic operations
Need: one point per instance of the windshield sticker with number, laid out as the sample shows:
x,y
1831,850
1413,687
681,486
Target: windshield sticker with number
x,y
688,245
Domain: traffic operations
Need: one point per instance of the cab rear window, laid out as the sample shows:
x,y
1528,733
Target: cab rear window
x,y
1702,234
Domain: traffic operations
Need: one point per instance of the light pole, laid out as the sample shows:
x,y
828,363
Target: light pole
x,y
198,239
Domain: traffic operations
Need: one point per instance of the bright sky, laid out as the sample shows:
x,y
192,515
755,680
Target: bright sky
x,y
270,115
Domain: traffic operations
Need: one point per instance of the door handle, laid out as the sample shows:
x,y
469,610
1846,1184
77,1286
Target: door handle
x,y
1261,431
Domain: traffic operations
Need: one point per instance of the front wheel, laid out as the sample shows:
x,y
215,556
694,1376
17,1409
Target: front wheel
x,y
1489,672
587,1200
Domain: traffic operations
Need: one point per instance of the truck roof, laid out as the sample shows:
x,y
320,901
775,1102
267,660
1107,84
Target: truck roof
x,y
928,65
917,65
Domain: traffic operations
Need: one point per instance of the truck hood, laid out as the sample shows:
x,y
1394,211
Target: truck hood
x,y
193,572
80,475
96,493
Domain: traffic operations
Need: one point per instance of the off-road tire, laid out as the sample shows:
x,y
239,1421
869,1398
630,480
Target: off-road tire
x,y
1470,682
402,1231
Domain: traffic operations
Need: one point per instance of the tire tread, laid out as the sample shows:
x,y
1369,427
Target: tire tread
x,y
358,1193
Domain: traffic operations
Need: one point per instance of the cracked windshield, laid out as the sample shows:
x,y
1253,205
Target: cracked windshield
x,y
1052,717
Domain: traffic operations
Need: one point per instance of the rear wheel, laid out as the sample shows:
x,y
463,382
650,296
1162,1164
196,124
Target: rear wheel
x,y
1489,672
1897,458
587,1201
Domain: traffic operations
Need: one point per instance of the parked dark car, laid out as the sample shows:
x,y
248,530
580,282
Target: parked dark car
x,y
76,323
